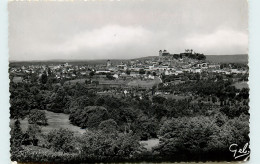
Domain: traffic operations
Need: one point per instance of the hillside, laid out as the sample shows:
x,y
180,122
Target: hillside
x,y
210,58
227,58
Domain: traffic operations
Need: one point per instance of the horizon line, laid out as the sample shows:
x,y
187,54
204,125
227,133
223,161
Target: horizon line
x,y
59,60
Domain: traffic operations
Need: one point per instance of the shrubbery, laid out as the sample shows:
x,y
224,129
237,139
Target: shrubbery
x,y
37,117
89,117
192,128
61,140
101,145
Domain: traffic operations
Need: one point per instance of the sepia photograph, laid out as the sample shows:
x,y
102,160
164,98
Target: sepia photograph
x,y
101,81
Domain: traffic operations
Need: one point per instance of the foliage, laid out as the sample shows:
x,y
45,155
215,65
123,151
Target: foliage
x,y
61,140
197,136
185,136
89,117
141,71
145,127
16,136
109,145
32,135
19,108
158,99
234,111
108,126
58,101
211,115
37,117
44,78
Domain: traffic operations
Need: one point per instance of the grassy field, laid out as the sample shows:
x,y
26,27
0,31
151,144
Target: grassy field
x,y
75,81
177,97
55,121
241,85
149,144
145,83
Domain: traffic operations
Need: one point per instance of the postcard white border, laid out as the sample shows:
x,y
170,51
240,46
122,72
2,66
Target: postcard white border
x,y
254,82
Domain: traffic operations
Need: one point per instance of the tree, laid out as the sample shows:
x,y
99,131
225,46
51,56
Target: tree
x,y
58,100
214,99
92,73
87,81
108,126
201,57
49,71
44,78
100,101
19,108
127,71
110,146
188,136
158,110
153,89
16,136
37,117
145,127
61,140
110,77
32,135
158,99
141,71
89,117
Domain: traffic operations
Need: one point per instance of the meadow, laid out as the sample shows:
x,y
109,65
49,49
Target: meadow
x,y
144,83
55,121
241,85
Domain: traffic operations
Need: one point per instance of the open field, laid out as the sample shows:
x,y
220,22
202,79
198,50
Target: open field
x,y
150,143
75,81
135,83
177,97
145,83
228,58
55,121
241,85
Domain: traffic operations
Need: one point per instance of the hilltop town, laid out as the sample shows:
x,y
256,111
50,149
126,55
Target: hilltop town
x,y
143,73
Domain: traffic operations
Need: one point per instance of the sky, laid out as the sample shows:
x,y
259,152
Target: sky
x,y
103,29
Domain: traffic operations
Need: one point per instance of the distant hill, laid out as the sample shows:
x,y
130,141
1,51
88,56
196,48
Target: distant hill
x,y
210,58
72,62
227,58
241,58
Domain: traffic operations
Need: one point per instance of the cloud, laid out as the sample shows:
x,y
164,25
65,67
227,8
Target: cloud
x,y
105,38
129,29
221,41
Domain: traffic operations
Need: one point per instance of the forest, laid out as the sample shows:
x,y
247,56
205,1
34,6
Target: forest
x,y
199,127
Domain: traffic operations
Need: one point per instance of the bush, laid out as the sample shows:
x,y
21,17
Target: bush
x,y
37,117
89,117
61,140
16,136
145,127
186,135
19,108
101,145
31,136
108,126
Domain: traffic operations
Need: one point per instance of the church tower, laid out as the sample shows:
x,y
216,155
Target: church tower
x,y
108,63
160,53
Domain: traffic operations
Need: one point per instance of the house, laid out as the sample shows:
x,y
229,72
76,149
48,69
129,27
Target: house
x,y
134,73
115,76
